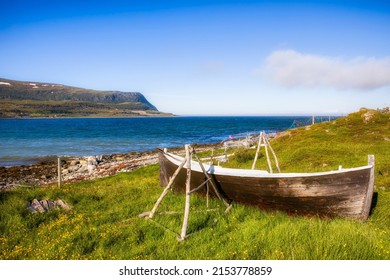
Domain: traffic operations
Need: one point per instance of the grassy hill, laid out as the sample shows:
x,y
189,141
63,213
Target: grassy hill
x,y
322,147
104,222
35,99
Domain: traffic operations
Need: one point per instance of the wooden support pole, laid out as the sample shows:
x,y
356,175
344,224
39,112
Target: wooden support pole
x,y
257,151
187,162
267,155
370,192
273,153
188,195
207,194
211,180
200,186
59,173
212,156
165,191
165,228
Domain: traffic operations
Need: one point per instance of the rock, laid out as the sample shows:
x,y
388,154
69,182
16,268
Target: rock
x,y
74,162
368,116
99,158
119,158
61,204
44,205
385,110
35,206
92,162
50,204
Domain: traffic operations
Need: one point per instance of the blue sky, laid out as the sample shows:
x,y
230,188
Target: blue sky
x,y
207,57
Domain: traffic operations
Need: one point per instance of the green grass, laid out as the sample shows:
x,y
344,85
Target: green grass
x,y
104,222
323,147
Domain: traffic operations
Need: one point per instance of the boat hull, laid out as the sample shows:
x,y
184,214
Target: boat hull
x,y
344,193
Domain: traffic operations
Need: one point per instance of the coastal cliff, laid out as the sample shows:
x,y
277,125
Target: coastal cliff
x,y
37,99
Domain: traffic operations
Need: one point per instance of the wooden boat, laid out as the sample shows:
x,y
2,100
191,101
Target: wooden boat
x,y
343,193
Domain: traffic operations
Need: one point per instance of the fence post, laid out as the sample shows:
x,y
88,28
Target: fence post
x,y
59,172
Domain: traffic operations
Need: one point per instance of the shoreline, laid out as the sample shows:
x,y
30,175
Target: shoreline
x,y
73,169
161,115
76,169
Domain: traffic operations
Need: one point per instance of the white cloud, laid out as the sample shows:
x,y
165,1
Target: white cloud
x,y
293,69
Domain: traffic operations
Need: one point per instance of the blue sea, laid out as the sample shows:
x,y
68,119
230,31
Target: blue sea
x,y
24,141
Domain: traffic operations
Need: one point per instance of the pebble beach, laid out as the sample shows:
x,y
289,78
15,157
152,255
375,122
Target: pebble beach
x,y
73,169
76,169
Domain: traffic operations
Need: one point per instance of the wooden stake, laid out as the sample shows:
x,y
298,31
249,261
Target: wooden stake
x,y
59,172
165,191
257,151
188,196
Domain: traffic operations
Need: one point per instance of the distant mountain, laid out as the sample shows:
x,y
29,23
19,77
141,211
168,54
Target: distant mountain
x,y
37,99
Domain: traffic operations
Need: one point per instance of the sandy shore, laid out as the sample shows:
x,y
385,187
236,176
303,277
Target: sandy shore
x,y
75,169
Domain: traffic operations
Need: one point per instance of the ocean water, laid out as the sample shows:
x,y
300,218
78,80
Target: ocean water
x,y
24,141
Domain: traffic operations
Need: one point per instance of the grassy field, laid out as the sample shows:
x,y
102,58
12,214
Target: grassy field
x,y
104,222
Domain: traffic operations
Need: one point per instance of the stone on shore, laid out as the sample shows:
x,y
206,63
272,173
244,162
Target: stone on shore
x,y
73,169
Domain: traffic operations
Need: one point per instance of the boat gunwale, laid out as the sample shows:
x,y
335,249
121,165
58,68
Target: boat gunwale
x,y
236,172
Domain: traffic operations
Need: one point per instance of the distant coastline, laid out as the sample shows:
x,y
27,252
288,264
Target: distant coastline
x,y
92,116
21,99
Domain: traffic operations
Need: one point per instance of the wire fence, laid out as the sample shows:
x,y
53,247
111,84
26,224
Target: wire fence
x,y
312,120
